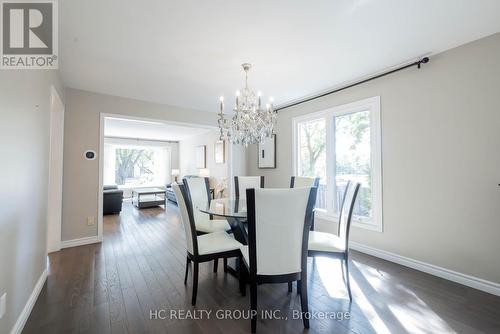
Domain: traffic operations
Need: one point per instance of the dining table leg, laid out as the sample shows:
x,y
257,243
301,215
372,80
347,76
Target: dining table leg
x,y
240,234
238,228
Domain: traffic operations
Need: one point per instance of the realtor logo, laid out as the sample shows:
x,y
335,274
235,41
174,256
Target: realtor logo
x,y
29,35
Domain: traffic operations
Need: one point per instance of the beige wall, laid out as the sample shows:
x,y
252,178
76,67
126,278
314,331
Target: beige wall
x,y
24,148
188,156
81,131
440,157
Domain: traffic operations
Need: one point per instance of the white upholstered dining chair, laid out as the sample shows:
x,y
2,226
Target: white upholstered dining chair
x,y
242,183
198,189
337,246
202,248
277,240
300,182
304,181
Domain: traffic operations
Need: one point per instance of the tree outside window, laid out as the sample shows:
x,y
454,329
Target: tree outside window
x,y
134,166
312,155
353,158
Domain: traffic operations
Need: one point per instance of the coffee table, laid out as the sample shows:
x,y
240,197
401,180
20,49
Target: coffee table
x,y
148,197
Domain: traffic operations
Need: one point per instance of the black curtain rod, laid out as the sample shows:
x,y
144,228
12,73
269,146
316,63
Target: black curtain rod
x,y
418,63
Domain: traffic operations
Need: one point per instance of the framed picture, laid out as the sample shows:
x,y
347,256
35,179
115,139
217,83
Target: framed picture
x,y
201,156
267,153
219,152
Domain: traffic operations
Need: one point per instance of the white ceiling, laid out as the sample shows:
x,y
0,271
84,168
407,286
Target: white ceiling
x,y
142,129
188,52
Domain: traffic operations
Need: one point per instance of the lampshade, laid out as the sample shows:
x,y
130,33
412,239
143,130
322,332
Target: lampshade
x,y
175,172
204,172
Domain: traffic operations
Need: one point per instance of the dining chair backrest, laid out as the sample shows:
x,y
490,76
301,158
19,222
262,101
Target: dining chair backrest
x,y
186,217
278,238
346,211
303,181
198,189
242,183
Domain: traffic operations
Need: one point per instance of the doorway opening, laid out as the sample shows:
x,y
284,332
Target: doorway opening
x,y
141,157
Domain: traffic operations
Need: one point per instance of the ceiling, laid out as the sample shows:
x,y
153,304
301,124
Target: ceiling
x,y
188,53
142,129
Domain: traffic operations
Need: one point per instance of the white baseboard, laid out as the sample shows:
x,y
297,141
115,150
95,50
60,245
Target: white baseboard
x,y
471,281
80,242
23,317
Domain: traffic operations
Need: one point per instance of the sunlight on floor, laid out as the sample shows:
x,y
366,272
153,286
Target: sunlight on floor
x,y
331,276
418,317
377,278
328,269
415,316
368,310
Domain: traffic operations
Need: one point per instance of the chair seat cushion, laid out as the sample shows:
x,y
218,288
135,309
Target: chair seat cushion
x,y
318,241
211,226
216,243
325,242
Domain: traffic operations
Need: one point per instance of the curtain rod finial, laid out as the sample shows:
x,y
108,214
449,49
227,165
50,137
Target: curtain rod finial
x,y
424,60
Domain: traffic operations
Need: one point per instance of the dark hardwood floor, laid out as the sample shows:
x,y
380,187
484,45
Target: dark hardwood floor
x,y
111,288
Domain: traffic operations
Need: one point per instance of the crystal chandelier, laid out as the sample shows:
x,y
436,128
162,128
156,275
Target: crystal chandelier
x,y
250,124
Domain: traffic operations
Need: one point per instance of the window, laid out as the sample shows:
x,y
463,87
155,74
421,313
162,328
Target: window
x,y
338,145
138,164
312,154
134,166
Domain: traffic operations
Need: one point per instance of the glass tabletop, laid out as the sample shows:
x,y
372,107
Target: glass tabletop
x,y
226,207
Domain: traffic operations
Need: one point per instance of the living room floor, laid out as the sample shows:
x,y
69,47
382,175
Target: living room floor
x,y
113,286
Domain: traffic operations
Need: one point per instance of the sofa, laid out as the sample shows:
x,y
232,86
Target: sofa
x,y
170,194
112,200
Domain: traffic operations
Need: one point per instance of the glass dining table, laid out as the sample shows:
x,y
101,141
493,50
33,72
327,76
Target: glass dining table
x,y
235,212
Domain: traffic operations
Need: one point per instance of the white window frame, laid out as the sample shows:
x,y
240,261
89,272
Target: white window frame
x,y
373,105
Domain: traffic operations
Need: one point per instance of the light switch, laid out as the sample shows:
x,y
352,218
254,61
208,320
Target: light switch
x,y
90,221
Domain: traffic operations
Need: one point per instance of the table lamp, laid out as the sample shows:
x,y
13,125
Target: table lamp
x,y
175,174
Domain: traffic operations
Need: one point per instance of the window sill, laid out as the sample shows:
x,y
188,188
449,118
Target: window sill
x,y
355,222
